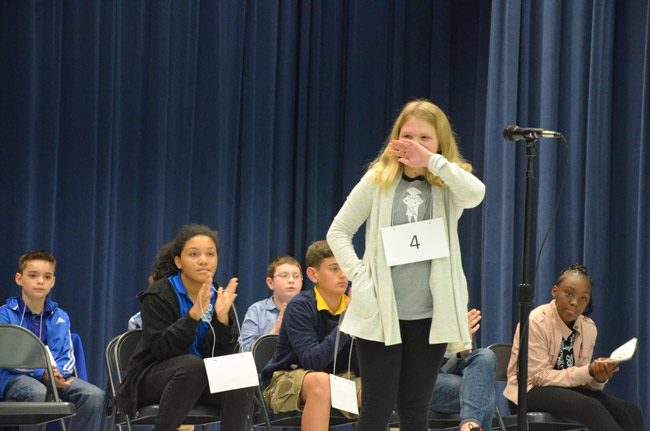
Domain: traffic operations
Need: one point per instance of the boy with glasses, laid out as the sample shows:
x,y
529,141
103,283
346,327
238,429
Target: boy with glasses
x,y
284,278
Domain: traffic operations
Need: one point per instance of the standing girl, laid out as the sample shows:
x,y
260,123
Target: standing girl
x,y
167,365
405,316
562,379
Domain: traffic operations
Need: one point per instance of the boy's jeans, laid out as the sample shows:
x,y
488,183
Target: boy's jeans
x,y
468,388
87,398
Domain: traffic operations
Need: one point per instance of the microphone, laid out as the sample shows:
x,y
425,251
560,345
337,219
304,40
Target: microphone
x,y
515,133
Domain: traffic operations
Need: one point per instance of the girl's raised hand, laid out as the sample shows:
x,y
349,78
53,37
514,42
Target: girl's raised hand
x,y
202,301
225,299
278,323
473,317
410,153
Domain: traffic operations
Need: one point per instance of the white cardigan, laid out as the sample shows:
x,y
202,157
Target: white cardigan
x,y
372,313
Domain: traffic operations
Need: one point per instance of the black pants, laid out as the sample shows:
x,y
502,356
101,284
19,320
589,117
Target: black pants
x,y
594,409
179,383
402,375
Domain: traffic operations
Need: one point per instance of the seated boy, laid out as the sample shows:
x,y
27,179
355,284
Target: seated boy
x,y
465,384
284,278
35,312
297,377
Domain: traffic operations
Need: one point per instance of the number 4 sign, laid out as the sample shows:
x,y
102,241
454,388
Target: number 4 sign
x,y
415,242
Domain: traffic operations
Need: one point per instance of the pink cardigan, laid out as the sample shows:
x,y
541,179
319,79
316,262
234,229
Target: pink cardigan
x,y
544,340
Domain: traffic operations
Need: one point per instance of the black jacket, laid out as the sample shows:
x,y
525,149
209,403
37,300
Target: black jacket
x,y
167,334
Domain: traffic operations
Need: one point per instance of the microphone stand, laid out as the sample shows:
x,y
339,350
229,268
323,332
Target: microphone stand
x,y
525,289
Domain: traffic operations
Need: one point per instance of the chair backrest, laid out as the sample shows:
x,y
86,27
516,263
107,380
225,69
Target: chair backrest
x,y
502,351
21,348
263,349
25,351
109,357
80,368
124,348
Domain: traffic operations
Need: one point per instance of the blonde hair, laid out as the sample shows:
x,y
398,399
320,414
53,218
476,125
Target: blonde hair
x,y
385,168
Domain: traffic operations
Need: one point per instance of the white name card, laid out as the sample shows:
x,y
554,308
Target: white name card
x,y
344,394
415,242
229,372
49,355
623,353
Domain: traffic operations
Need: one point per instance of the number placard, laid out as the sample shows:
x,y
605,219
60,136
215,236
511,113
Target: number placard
x,y
415,242
229,372
344,394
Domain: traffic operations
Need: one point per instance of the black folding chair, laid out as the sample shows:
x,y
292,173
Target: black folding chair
x,y
23,350
122,351
263,349
110,408
436,420
536,420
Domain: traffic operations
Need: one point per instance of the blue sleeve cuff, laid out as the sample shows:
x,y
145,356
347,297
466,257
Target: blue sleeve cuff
x,y
38,374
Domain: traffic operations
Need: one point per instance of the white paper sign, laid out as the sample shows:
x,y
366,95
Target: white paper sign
x,y
344,394
49,354
624,352
229,372
415,242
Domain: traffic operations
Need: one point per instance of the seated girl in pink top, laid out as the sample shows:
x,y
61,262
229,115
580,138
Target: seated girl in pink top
x,y
562,378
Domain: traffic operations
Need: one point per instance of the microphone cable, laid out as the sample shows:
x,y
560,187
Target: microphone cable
x,y
336,346
565,171
558,198
206,316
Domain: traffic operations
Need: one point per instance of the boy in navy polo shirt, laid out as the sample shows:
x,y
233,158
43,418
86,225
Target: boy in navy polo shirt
x,y
297,377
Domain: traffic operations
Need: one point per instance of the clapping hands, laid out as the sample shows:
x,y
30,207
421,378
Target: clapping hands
x,y
225,299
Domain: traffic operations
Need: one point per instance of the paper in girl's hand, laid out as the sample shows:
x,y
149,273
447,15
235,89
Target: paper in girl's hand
x,y
49,354
623,353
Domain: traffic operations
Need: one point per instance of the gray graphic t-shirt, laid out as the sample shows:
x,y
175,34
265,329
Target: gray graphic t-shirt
x,y
411,281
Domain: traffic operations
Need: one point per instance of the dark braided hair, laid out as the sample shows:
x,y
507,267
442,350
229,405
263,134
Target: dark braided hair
x,y
581,270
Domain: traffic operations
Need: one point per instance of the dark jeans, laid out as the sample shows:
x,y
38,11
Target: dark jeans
x,y
179,383
402,375
594,409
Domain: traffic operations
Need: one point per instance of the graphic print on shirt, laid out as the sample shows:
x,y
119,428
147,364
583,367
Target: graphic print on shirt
x,y
412,200
566,359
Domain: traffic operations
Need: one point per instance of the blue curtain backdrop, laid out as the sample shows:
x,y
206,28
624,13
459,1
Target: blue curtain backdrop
x,y
120,121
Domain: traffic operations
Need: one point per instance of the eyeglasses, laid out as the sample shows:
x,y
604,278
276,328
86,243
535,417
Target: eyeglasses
x,y
286,276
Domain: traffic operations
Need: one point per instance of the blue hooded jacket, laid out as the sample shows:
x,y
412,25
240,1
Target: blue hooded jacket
x,y
59,341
